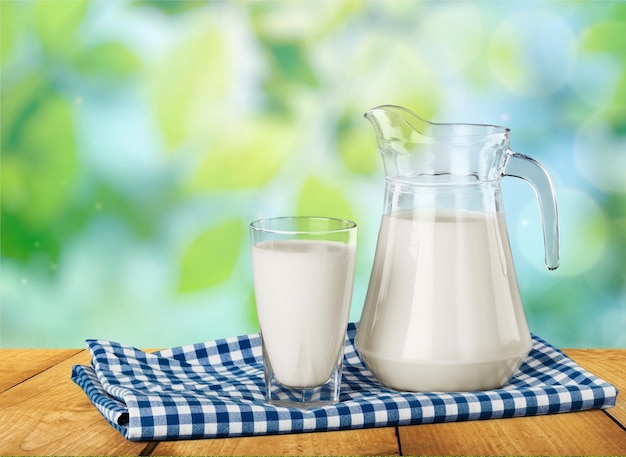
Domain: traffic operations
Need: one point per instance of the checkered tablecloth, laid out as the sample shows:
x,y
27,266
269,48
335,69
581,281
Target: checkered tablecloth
x,y
216,389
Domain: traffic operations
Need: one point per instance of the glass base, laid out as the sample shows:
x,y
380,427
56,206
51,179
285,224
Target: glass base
x,y
302,397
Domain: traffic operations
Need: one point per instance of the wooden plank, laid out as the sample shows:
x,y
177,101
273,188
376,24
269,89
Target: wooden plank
x,y
15,367
378,441
610,365
48,414
43,412
581,433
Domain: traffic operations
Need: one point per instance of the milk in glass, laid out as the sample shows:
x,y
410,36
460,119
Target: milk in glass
x,y
303,291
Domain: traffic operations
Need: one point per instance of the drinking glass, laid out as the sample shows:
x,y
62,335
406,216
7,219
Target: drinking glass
x,y
303,272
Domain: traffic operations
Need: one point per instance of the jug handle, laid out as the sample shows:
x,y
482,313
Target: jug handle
x,y
531,171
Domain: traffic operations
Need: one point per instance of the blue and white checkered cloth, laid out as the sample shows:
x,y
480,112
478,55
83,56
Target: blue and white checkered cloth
x,y
216,389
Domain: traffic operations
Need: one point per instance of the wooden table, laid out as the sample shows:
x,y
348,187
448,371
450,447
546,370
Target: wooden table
x,y
43,412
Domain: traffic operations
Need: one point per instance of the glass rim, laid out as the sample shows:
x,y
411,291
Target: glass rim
x,y
263,225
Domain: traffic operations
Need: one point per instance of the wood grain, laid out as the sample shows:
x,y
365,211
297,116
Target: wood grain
x,y
15,368
610,365
43,412
379,441
580,433
48,414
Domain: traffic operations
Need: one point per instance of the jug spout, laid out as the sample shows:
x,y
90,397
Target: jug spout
x,y
395,124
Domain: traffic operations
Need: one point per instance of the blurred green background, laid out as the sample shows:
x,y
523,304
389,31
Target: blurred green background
x,y
139,139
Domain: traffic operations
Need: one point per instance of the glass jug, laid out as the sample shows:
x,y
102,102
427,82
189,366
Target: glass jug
x,y
443,310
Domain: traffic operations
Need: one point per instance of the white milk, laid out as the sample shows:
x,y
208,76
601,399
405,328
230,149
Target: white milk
x,y
443,310
303,292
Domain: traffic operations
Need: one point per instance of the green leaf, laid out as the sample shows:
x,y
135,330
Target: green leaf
x,y
107,59
7,29
291,63
211,257
172,6
319,199
615,115
245,157
21,242
49,160
606,37
190,83
357,147
141,212
17,103
56,22
290,72
36,177
43,162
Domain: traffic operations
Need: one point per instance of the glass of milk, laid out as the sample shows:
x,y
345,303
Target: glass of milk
x,y
303,272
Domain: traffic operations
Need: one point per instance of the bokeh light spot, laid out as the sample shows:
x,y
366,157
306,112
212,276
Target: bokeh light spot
x,y
455,34
584,233
520,59
599,154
